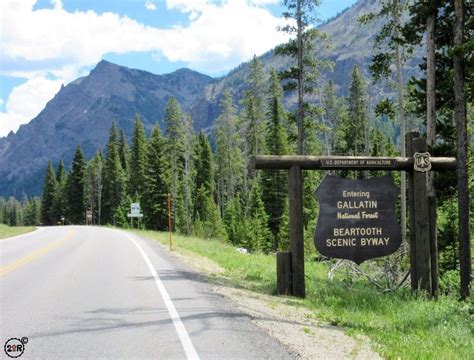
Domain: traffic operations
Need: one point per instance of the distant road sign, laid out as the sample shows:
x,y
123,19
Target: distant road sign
x,y
135,215
135,210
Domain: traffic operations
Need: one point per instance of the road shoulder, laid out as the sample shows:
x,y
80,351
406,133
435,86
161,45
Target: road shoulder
x,y
282,318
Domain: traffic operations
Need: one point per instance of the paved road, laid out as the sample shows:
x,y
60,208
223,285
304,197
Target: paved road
x,y
80,292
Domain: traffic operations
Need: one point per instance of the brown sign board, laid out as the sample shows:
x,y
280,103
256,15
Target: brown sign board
x,y
357,219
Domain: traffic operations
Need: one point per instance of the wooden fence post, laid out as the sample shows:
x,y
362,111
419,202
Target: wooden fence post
x,y
295,201
411,209
284,273
433,246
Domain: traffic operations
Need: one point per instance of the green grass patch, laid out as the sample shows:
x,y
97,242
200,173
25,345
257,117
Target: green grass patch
x,y
400,324
9,231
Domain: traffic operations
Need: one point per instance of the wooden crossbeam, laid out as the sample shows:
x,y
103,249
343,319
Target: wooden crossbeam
x,y
305,162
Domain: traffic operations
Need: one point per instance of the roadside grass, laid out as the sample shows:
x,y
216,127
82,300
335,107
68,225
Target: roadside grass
x,y
9,231
399,324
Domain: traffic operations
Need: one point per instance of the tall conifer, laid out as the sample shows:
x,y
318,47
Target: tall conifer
x,y
124,152
358,124
114,182
175,145
157,183
229,158
137,161
275,182
60,196
49,189
203,187
76,188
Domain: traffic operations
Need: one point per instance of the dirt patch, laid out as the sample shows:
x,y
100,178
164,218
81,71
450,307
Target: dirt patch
x,y
197,262
295,327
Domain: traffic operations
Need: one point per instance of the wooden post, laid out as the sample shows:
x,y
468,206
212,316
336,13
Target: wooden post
x,y
433,246
411,201
422,223
295,200
284,273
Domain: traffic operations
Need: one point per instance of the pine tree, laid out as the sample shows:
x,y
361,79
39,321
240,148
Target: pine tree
x,y
114,182
229,158
76,188
206,216
304,73
124,152
203,187
175,145
461,45
32,213
49,189
391,51
448,53
275,182
236,225
60,197
333,113
256,100
253,118
358,124
137,161
157,183
94,170
261,236
3,206
188,142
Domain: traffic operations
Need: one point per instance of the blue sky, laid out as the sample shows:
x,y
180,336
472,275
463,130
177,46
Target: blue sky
x,y
46,43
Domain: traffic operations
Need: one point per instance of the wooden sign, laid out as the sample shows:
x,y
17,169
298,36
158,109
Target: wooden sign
x,y
354,163
357,219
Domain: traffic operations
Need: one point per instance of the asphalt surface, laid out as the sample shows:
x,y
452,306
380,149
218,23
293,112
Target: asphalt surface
x,y
78,292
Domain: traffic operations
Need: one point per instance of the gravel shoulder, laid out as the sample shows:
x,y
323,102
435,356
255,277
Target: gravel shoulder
x,y
295,327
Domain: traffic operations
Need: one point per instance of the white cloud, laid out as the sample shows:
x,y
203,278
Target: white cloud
x,y
1,101
54,42
26,101
150,5
61,42
58,4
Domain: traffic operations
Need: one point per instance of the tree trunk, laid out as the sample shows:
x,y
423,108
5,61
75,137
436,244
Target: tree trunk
x,y
461,138
430,89
401,117
300,116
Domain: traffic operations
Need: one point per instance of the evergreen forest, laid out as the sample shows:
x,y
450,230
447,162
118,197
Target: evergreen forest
x,y
210,177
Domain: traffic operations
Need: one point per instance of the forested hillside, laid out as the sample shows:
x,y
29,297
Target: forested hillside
x,y
83,111
216,191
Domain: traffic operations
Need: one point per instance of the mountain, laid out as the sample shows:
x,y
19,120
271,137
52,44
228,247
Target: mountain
x,y
82,112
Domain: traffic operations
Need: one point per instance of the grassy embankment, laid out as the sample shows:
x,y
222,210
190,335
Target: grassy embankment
x,y
401,325
8,231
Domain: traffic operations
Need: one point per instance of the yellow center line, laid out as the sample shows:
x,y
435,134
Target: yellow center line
x,y
24,260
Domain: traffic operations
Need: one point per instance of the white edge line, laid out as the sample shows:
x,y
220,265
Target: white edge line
x,y
178,324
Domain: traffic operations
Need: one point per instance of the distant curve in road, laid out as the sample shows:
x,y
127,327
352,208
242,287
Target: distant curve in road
x,y
79,292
